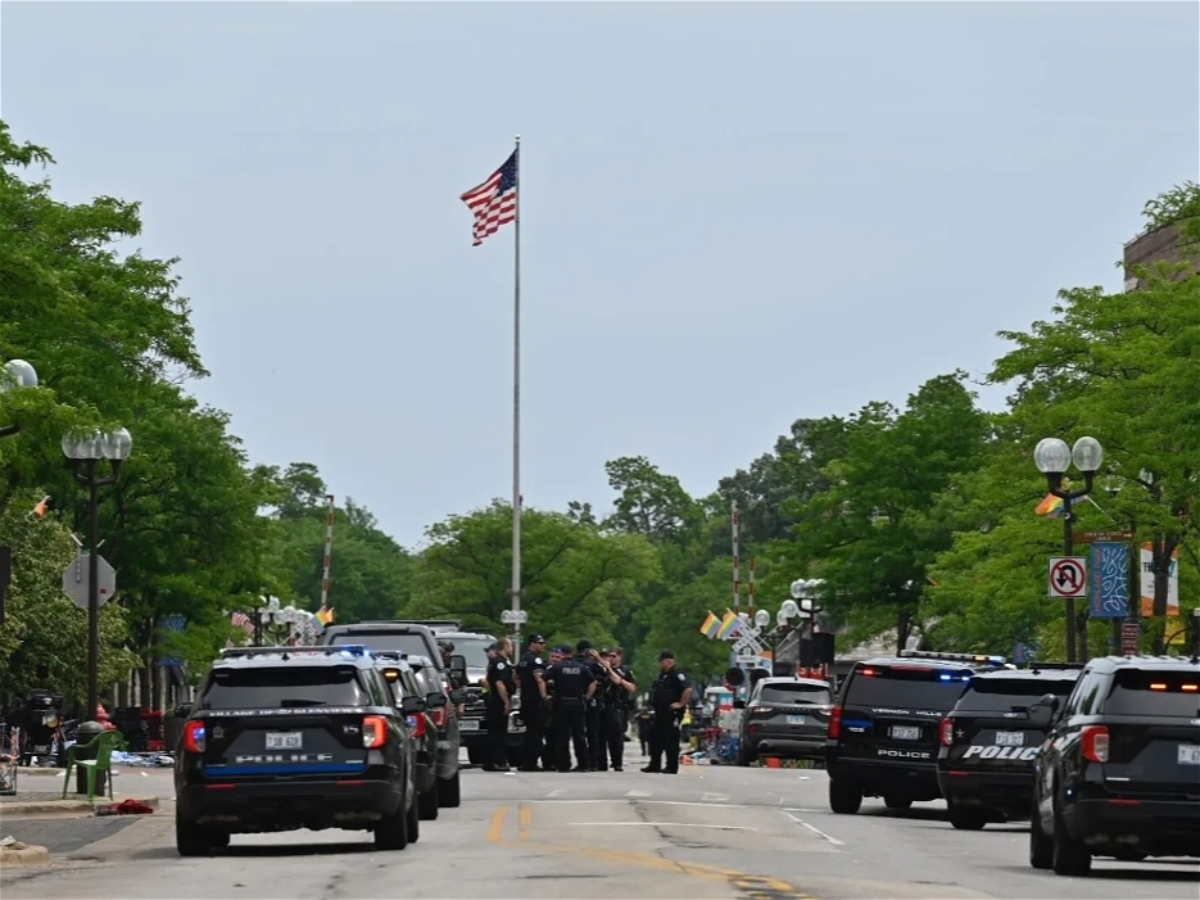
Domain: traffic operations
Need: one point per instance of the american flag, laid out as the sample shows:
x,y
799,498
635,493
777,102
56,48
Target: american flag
x,y
242,621
494,202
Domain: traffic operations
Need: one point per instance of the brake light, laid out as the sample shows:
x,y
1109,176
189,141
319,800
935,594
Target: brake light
x,y
756,709
417,724
1095,743
946,732
374,730
835,722
440,717
194,740
868,672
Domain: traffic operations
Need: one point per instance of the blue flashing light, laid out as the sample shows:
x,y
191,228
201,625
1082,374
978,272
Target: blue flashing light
x,y
352,649
945,676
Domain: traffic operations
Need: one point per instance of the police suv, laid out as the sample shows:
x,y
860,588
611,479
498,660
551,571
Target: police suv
x,y
883,730
285,738
990,739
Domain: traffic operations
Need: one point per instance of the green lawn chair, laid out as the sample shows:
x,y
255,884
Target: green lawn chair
x,y
99,751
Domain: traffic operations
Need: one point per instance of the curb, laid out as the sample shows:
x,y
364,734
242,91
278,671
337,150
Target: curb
x,y
58,807
19,854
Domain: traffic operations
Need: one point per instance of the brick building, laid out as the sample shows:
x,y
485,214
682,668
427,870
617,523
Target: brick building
x,y
1163,244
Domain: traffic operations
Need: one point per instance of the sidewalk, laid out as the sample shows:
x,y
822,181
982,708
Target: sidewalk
x,y
39,793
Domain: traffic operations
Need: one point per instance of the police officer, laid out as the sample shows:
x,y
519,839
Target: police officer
x,y
553,719
619,686
669,696
530,672
501,686
574,686
587,655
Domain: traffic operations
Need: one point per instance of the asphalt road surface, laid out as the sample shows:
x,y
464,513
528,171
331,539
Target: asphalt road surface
x,y
709,832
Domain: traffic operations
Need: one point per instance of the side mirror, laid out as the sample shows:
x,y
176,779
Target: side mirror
x,y
458,696
739,704
410,706
458,667
436,700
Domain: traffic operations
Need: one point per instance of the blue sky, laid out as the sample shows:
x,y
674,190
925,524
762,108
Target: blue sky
x,y
733,215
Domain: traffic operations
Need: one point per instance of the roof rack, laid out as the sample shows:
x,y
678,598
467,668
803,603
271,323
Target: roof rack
x,y
326,650
428,623
955,657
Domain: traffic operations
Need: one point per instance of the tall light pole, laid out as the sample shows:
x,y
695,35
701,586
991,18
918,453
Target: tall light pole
x,y
16,373
1053,458
85,454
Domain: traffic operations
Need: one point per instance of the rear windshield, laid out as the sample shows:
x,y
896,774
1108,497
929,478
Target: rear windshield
x,y
794,693
1011,694
473,650
281,687
412,643
905,687
1155,694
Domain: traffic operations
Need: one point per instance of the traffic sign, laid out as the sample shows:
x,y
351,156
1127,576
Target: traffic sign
x,y
514,617
75,580
1068,576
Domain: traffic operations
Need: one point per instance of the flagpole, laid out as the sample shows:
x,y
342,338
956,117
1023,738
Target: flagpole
x,y
516,522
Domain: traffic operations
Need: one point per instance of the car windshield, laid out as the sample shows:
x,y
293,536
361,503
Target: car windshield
x,y
906,687
1175,694
412,643
1011,694
473,650
272,688
794,692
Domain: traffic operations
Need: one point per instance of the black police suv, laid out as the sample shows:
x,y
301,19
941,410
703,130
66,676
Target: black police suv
x,y
1119,773
990,739
285,738
883,729
785,717
403,682
445,722
412,638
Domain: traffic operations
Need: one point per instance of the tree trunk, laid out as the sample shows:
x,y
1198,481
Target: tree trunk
x,y
1162,549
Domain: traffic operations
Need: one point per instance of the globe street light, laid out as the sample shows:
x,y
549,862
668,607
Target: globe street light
x,y
85,452
16,373
1053,458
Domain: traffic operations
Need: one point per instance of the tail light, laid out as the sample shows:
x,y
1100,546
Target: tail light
x,y
757,709
946,732
440,716
194,740
1095,743
374,730
835,722
417,724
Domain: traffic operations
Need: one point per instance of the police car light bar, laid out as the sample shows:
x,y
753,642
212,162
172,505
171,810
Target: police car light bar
x,y
339,650
955,657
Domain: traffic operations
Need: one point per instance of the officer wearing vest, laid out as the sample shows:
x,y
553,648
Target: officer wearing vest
x,y
553,718
501,686
669,696
574,685
587,655
530,672
619,687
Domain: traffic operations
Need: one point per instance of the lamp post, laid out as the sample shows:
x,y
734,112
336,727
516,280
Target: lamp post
x,y
1053,457
85,454
16,373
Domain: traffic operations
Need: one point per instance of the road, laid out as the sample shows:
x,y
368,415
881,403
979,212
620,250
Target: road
x,y
709,832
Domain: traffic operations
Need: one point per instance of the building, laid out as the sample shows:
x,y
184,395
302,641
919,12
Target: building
x,y
1164,244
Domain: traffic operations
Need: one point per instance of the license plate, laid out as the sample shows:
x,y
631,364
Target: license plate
x,y
906,732
468,725
284,740
1010,739
795,720
1189,755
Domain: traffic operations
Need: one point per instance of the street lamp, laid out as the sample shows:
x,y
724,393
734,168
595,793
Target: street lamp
x,y
16,373
85,453
1053,458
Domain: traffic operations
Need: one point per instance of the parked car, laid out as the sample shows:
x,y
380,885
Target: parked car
x,y
403,682
445,720
786,718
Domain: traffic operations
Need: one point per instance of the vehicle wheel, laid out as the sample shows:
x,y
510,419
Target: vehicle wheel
x,y
966,818
449,794
1041,846
896,801
413,820
428,803
1070,857
192,839
845,797
391,833
220,839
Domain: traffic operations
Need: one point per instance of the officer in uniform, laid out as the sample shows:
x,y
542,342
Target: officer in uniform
x,y
501,686
619,686
574,685
587,655
550,746
669,696
530,672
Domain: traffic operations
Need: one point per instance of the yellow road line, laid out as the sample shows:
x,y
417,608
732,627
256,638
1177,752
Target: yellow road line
x,y
524,820
496,829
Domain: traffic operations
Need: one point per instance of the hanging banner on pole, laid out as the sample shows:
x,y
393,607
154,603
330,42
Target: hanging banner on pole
x,y
1109,594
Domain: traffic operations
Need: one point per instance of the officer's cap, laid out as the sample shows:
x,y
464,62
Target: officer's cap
x,y
564,649
666,654
536,639
585,644
493,646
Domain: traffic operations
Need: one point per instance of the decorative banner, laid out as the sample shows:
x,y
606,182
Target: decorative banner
x,y
1148,583
1109,594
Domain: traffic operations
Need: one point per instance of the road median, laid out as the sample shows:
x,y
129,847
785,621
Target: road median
x,y
69,806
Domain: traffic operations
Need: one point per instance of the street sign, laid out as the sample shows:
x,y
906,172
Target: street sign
x,y
1129,638
1092,537
514,617
75,580
1068,576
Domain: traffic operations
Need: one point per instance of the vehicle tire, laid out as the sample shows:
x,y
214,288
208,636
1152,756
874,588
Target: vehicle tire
x,y
391,832
744,758
1070,857
219,838
897,801
845,797
192,839
967,818
1041,846
449,794
428,803
412,821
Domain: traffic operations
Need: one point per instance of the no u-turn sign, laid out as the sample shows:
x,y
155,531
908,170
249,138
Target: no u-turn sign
x,y
1068,576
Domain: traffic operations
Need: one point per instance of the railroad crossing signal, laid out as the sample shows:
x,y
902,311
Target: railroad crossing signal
x,y
75,580
1068,576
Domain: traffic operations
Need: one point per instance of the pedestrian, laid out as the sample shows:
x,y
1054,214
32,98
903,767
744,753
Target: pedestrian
x,y
669,696
618,688
573,685
645,724
530,672
501,686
